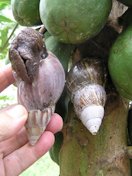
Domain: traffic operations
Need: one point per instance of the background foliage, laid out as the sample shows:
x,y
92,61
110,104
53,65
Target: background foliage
x,y
7,27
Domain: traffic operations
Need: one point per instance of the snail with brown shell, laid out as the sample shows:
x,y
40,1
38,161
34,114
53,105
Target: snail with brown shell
x,y
85,83
40,80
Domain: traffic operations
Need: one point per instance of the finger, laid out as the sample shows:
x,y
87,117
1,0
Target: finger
x,y
10,145
12,120
56,123
6,77
20,139
27,155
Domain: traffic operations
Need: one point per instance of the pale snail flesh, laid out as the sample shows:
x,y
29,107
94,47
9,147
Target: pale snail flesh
x,y
40,80
86,86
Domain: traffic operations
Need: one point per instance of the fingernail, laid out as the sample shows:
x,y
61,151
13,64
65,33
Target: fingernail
x,y
17,111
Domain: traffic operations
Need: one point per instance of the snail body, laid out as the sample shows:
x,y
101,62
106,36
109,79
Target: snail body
x,y
85,83
43,84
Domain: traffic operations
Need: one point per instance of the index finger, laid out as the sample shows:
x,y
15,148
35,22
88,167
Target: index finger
x,y
6,77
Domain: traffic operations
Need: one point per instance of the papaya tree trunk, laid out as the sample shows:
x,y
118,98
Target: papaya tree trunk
x,y
83,154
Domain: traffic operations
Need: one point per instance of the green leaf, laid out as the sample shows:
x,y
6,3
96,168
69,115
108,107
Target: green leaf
x,y
4,36
4,97
4,4
4,19
6,32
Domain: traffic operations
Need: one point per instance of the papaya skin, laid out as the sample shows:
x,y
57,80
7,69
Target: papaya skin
x,y
25,12
62,51
120,63
74,22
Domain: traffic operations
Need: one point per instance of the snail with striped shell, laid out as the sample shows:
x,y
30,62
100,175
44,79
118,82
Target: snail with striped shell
x,y
40,79
85,83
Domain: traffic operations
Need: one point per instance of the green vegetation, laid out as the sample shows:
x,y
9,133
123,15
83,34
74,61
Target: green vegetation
x,y
7,28
72,21
25,12
120,63
61,50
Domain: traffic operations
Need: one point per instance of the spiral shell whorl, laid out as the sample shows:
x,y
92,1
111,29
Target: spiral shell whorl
x,y
85,83
97,114
86,71
89,106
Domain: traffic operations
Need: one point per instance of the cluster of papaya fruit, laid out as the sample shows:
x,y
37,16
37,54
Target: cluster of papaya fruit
x,y
72,24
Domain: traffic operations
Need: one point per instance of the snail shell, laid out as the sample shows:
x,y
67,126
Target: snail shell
x,y
40,96
42,83
85,84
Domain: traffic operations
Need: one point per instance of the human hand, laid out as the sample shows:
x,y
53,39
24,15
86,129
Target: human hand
x,y
15,152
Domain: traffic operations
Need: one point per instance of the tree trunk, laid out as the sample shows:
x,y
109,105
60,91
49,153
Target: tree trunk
x,y
83,154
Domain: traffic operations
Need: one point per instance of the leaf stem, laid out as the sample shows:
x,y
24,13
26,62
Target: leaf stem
x,y
6,42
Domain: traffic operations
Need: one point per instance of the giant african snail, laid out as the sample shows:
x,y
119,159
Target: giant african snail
x,y
40,79
85,83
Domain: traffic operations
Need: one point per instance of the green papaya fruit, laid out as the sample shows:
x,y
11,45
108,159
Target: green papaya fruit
x,y
26,12
126,2
120,63
61,50
72,21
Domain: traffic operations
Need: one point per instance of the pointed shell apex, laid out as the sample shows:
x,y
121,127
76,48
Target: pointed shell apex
x,y
92,117
34,134
94,126
37,122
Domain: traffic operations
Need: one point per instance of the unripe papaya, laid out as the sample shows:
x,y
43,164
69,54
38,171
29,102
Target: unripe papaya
x,y
120,63
26,12
72,21
61,50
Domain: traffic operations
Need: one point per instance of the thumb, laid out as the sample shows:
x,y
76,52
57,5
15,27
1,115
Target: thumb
x,y
12,119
